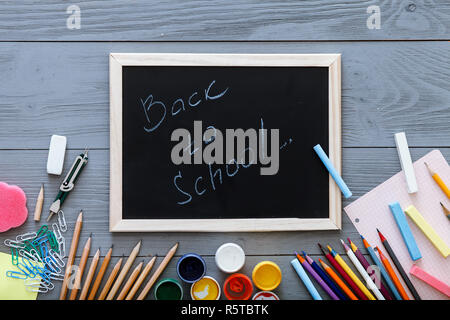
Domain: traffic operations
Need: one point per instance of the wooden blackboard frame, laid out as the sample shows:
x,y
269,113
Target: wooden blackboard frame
x,y
118,60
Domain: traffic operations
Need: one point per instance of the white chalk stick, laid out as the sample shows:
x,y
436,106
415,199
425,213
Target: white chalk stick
x,y
56,154
405,161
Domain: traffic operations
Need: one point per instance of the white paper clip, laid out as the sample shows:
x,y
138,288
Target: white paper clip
x,y
62,247
26,236
62,221
56,231
13,244
57,258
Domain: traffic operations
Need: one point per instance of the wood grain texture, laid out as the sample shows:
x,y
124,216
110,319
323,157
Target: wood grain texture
x,y
214,20
363,169
63,88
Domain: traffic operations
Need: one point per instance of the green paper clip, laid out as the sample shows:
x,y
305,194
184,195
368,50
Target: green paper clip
x,y
42,230
52,241
15,256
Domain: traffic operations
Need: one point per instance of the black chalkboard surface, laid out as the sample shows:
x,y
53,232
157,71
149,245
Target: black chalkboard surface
x,y
159,99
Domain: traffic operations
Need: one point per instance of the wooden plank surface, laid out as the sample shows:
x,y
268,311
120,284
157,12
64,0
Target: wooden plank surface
x,y
62,88
363,169
141,20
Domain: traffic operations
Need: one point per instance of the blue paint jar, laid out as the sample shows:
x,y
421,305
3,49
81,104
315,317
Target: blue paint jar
x,y
191,267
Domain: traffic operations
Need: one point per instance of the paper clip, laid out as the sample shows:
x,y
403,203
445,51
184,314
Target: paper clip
x,y
26,262
13,244
15,256
62,247
41,286
56,231
52,240
27,271
62,221
51,265
42,231
40,239
29,255
57,258
16,275
44,250
29,245
55,276
35,254
26,236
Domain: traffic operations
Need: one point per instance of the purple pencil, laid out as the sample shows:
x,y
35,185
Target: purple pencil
x,y
366,265
322,283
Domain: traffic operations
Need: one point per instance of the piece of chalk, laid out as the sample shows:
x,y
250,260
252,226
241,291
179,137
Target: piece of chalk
x,y
56,154
406,162
405,230
429,279
306,280
333,172
428,230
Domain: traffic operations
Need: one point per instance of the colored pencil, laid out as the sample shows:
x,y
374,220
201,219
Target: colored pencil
x,y
370,284
446,211
110,280
158,272
90,275
324,277
130,281
439,181
71,258
392,274
398,265
351,274
314,274
124,271
338,281
100,274
383,271
369,269
141,278
306,280
80,271
343,274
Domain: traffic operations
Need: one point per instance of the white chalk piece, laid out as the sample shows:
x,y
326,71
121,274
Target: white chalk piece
x,y
56,153
405,161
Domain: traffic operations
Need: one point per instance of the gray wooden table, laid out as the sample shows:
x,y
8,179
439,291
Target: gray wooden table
x,y
55,81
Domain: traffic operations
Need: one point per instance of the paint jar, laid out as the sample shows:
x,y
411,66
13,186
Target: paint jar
x,y
191,267
207,288
168,289
265,295
238,287
230,257
266,275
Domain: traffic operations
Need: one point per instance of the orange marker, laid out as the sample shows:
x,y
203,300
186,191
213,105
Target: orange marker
x,y
392,274
439,181
338,280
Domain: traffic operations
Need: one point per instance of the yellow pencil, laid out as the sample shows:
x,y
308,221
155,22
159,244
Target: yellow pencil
x,y
439,181
351,274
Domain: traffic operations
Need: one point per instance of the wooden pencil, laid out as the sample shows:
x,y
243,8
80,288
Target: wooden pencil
x,y
158,272
90,275
124,271
141,279
446,211
392,274
338,280
70,259
130,281
439,181
110,280
80,271
100,274
39,204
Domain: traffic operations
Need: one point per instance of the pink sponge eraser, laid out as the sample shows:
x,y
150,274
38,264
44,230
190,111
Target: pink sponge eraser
x,y
13,208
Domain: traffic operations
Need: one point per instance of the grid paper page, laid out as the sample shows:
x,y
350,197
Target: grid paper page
x,y
372,211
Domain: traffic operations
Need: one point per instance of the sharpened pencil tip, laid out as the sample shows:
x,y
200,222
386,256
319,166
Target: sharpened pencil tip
x,y
361,236
304,253
320,246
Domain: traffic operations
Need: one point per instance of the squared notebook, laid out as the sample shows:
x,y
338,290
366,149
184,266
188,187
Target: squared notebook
x,y
372,211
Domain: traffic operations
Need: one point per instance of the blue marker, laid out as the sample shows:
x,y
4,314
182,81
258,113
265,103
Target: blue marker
x,y
306,280
405,230
336,176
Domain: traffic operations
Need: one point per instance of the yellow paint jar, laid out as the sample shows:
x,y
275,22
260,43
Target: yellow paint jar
x,y
207,288
266,275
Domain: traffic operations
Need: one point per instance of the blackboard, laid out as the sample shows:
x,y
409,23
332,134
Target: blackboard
x,y
156,99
